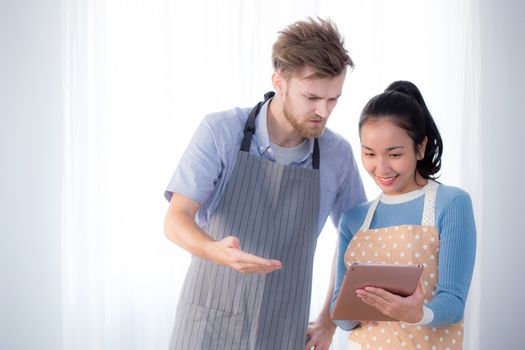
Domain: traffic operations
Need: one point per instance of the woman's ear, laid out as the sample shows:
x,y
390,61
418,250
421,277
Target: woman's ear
x,y
421,149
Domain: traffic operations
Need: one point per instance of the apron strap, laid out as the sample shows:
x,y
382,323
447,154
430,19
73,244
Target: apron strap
x,y
249,131
315,155
429,208
370,214
249,128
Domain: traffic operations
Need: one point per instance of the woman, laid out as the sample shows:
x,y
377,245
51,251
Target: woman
x,y
415,220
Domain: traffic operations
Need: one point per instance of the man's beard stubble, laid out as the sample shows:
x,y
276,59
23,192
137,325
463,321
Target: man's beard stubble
x,y
303,129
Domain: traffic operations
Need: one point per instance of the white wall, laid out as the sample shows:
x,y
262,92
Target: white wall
x,y
30,176
503,133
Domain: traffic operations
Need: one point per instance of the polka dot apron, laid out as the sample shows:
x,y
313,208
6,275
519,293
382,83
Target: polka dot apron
x,y
404,244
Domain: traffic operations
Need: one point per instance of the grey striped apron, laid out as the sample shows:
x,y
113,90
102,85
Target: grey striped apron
x,y
274,210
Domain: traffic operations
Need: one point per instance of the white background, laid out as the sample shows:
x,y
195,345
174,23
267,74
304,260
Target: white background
x,y
31,116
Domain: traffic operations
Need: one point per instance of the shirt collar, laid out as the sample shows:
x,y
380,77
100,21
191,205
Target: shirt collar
x,y
405,197
262,139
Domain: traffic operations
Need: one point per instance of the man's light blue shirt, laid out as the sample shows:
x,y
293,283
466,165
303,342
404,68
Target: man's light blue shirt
x,y
205,167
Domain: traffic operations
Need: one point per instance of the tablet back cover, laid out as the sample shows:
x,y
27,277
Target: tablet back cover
x,y
397,279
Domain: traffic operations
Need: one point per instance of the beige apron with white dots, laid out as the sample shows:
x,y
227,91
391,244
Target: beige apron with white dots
x,y
405,244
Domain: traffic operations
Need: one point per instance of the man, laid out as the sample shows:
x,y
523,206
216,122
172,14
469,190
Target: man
x,y
250,196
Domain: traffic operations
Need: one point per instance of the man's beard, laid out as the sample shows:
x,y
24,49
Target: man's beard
x,y
303,129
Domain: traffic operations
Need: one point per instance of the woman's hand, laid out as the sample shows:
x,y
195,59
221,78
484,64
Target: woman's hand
x,y
407,309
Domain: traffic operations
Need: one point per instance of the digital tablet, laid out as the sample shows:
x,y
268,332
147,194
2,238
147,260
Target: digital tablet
x,y
397,279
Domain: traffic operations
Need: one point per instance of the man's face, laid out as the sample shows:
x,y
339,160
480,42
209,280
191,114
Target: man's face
x,y
307,103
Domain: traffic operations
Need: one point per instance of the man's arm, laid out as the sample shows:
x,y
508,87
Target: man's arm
x,y
180,228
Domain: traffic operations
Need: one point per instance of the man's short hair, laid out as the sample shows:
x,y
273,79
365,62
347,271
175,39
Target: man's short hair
x,y
311,43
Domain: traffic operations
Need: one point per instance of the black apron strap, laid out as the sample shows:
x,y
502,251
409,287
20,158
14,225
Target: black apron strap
x,y
249,131
315,156
249,128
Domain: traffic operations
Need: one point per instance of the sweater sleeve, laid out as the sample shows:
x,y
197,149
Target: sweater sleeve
x,y
457,251
345,235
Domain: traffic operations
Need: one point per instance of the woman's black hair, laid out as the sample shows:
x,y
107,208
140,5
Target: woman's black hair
x,y
403,103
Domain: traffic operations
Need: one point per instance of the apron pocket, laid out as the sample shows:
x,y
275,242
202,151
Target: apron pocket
x,y
219,288
209,328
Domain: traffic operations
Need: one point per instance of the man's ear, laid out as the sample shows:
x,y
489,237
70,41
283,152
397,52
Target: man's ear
x,y
278,81
421,149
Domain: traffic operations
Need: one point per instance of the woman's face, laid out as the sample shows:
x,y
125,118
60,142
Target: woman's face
x,y
388,155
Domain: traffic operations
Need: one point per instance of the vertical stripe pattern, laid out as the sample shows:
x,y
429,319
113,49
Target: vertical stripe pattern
x,y
274,210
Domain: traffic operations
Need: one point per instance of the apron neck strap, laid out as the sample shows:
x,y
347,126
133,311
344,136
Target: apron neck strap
x,y
249,128
315,156
370,214
428,207
249,131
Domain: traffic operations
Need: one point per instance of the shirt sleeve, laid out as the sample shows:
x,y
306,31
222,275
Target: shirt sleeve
x,y
199,168
345,235
352,190
457,250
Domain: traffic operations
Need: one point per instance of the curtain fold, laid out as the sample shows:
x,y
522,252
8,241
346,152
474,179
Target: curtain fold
x,y
140,75
471,161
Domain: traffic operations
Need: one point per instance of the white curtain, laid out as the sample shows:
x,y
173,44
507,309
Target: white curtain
x,y
141,75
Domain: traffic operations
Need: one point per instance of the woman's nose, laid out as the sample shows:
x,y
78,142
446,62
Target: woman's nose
x,y
382,165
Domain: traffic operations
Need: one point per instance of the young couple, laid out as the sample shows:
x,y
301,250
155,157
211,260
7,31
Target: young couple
x,y
256,185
